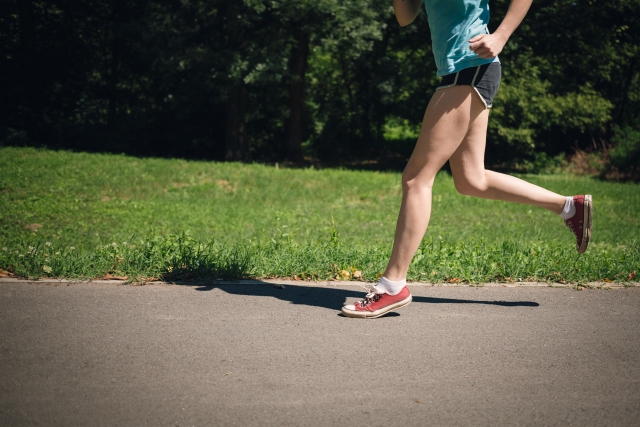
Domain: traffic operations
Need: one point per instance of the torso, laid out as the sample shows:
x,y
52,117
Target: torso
x,y
452,24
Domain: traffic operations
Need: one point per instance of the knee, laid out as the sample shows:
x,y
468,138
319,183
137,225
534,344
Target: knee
x,y
412,181
470,186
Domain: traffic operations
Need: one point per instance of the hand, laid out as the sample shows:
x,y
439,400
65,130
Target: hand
x,y
487,45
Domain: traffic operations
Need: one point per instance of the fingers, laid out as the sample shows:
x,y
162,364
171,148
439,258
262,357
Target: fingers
x,y
485,46
486,54
482,53
478,47
477,42
481,49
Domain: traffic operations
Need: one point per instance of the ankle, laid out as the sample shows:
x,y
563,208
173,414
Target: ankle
x,y
569,209
390,287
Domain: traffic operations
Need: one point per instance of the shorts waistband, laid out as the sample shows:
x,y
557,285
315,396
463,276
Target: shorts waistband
x,y
465,76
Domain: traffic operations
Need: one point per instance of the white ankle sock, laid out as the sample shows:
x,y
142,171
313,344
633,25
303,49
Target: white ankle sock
x,y
389,287
569,209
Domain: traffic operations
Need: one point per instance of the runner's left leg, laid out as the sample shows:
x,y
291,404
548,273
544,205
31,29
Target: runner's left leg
x,y
472,179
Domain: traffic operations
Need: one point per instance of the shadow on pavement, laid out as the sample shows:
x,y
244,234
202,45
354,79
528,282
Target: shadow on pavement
x,y
333,298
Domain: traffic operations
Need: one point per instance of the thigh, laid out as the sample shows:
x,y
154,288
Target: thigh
x,y
468,159
448,118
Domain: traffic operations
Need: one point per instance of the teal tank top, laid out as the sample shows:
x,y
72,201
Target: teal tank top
x,y
452,24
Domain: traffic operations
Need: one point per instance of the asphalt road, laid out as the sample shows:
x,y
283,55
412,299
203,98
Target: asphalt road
x,y
256,355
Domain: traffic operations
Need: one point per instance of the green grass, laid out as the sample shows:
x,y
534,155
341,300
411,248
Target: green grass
x,y
180,219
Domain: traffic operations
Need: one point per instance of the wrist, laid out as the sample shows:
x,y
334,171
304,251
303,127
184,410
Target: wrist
x,y
502,34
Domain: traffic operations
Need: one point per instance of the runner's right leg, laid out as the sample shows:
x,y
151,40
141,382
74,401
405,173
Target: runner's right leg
x,y
447,120
449,116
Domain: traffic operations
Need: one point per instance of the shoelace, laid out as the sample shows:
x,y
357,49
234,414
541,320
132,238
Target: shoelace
x,y
369,299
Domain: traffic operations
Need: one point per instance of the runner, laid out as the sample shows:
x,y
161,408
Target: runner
x,y
454,128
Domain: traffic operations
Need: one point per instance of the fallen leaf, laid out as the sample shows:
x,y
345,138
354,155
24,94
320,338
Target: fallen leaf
x,y
632,275
420,401
357,274
278,286
112,277
5,273
33,227
344,274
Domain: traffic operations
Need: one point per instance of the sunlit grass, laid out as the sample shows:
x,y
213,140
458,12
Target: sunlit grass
x,y
180,257
159,218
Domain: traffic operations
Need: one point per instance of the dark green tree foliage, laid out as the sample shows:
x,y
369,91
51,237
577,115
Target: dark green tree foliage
x,y
355,97
268,79
625,155
329,33
570,74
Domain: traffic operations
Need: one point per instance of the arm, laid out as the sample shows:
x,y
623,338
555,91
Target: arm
x,y
490,45
406,11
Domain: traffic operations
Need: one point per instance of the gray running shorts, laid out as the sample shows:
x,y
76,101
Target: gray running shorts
x,y
485,79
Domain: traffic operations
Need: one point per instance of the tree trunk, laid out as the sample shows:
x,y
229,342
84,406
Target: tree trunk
x,y
625,90
237,146
26,95
27,33
112,81
298,67
236,139
113,65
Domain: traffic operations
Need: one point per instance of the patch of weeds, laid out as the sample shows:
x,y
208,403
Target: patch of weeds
x,y
181,257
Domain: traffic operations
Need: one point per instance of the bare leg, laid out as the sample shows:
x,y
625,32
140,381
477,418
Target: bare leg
x,y
471,178
454,128
446,122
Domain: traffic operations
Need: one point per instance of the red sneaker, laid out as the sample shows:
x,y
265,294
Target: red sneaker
x,y
376,305
580,224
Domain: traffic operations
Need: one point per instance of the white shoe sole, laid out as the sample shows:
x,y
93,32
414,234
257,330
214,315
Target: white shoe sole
x,y
586,225
377,313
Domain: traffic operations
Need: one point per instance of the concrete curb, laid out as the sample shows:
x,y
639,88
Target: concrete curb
x,y
286,282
